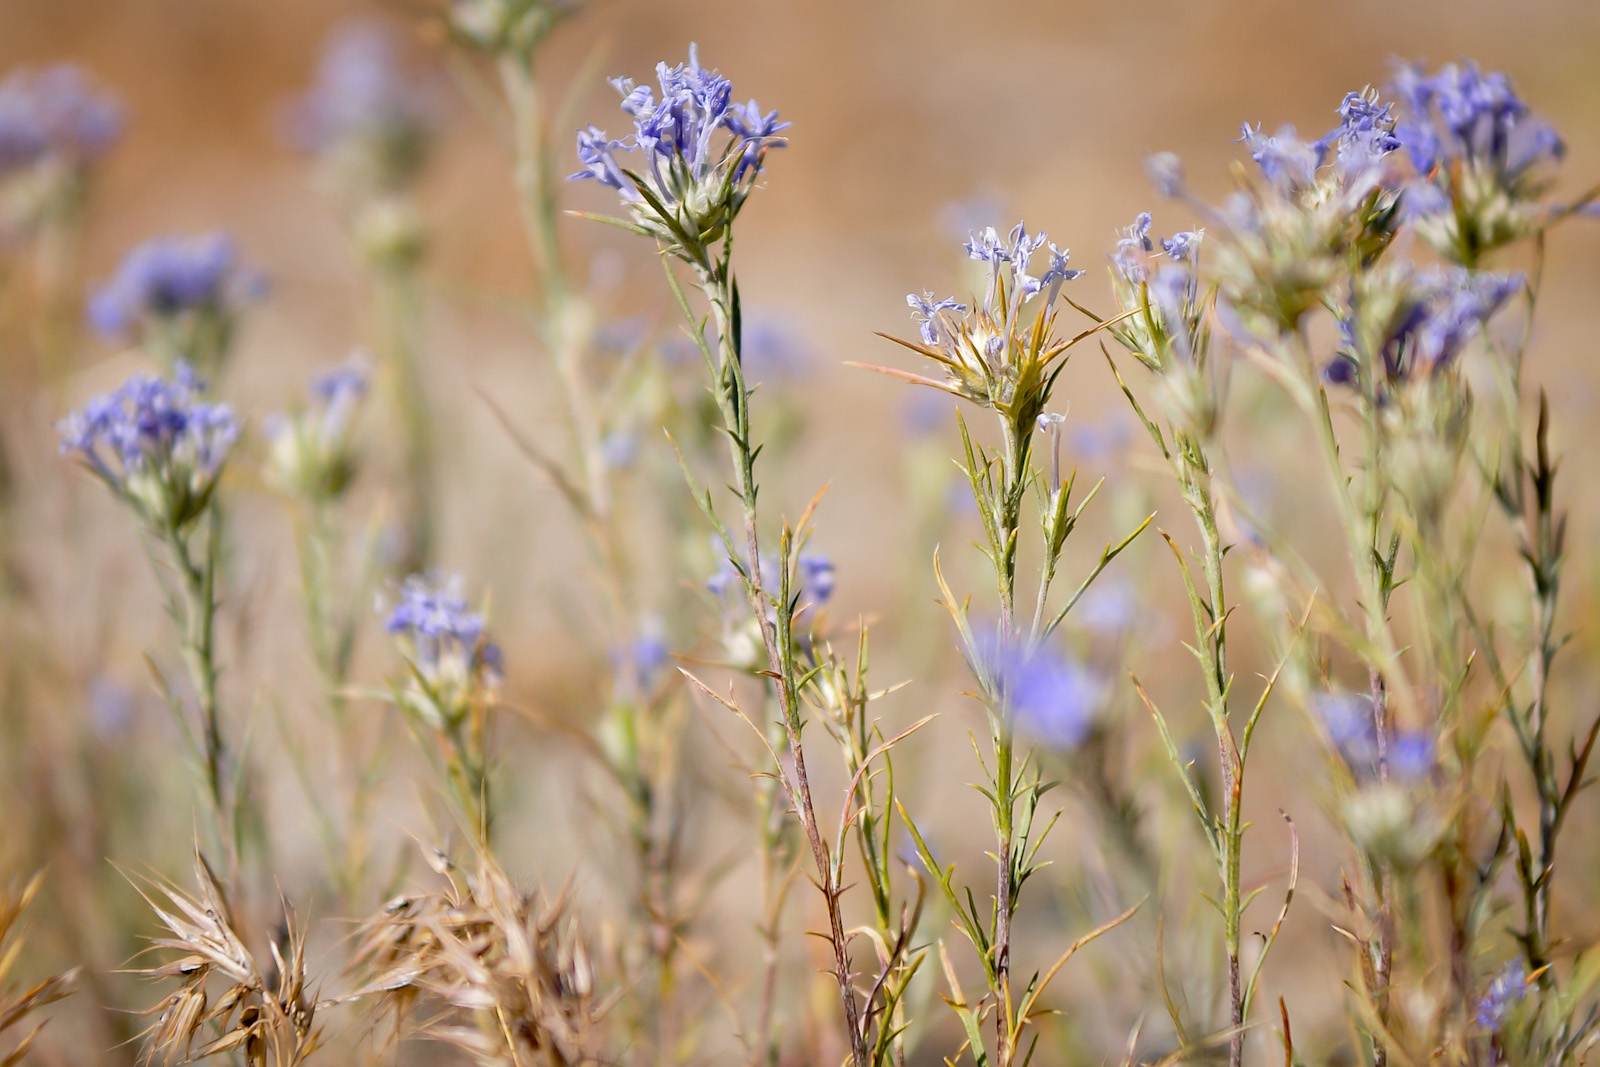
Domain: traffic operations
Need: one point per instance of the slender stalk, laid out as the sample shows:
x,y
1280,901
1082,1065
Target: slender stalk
x,y
397,308
733,398
1210,618
197,586
566,330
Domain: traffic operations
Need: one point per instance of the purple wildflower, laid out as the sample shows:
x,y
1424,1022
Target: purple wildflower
x,y
1460,112
1287,162
169,276
1049,696
55,113
1133,248
1182,246
433,619
926,311
361,93
1364,136
155,443
1505,990
683,167
817,576
771,348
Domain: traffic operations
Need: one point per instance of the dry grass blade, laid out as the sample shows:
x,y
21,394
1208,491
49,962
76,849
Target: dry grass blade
x,y
16,1008
501,973
269,1018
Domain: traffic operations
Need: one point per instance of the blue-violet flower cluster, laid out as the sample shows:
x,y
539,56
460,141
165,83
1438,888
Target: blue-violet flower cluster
x,y
701,154
156,444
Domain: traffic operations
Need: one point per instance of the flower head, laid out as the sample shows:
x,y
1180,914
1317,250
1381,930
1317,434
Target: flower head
x,y
1047,695
1351,727
363,115
178,294
1364,136
1400,323
55,115
996,353
701,154
817,575
444,642
1482,158
313,453
156,444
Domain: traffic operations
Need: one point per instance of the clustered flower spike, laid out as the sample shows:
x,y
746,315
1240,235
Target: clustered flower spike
x,y
996,355
1482,160
1319,206
363,113
1365,134
167,279
701,154
1461,113
1162,290
55,114
312,452
1402,324
444,642
156,444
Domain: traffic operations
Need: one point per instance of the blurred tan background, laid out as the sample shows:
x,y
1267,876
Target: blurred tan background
x,y
899,108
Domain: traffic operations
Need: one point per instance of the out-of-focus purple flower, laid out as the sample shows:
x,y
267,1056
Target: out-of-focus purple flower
x,y
817,576
1174,290
1109,607
1411,755
337,391
1504,991
1098,442
648,654
312,453
433,618
1460,112
364,99
1347,717
723,579
1049,696
1461,305
924,411
111,707
1287,162
55,114
771,348
1432,316
167,277
1348,720
1165,171
431,606
619,449
1422,200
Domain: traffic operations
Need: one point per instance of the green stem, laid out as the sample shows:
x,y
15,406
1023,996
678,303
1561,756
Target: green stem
x,y
197,584
397,303
733,399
